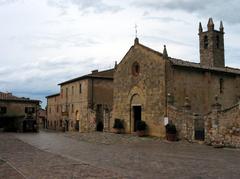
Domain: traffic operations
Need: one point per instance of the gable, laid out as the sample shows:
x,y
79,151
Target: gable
x,y
146,58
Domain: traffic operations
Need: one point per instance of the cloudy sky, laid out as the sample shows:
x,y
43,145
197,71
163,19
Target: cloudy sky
x,y
45,42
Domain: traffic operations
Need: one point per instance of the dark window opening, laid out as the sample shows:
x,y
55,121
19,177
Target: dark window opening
x,y
205,41
135,69
80,88
217,41
136,116
3,110
30,110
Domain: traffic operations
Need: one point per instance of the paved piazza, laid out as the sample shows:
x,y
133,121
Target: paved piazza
x,y
104,155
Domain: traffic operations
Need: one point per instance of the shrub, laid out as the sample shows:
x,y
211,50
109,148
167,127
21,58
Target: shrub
x,y
118,124
141,125
171,129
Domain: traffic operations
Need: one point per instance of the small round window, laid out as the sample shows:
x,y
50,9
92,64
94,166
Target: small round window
x,y
135,68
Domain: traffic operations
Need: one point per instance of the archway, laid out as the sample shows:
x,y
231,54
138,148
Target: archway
x,y
135,111
77,121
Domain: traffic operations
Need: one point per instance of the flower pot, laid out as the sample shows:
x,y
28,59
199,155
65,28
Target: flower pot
x,y
117,131
141,133
171,137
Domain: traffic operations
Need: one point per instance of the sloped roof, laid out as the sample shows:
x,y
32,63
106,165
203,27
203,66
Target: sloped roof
x,y
106,75
188,64
10,97
53,95
179,62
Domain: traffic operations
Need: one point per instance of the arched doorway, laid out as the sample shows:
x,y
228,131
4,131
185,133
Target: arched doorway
x,y
77,121
99,118
136,111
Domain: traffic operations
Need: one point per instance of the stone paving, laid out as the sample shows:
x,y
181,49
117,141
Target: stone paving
x,y
109,138
7,171
20,160
131,157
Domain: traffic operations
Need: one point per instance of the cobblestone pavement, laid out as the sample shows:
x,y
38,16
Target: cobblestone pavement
x,y
109,138
19,160
130,157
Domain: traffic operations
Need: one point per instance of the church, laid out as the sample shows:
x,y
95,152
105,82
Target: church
x,y
200,99
156,88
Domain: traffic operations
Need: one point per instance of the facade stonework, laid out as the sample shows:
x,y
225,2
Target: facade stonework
x,y
222,127
145,89
18,113
162,81
211,44
54,112
82,103
150,86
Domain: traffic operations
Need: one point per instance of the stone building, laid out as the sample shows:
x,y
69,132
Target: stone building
x,y
18,114
54,112
42,118
83,103
153,87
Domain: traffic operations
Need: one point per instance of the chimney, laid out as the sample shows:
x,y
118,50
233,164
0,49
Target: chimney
x,y
94,71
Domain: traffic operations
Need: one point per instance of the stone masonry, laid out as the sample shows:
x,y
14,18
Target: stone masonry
x,y
222,127
144,78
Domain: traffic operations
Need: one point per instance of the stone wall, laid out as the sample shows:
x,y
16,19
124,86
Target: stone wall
x,y
15,111
222,127
201,87
102,91
53,112
75,107
145,88
74,102
184,122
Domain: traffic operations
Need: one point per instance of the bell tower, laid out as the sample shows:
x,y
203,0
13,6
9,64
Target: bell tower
x,y
211,43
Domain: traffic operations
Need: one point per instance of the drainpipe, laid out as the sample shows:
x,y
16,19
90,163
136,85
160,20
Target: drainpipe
x,y
92,93
165,57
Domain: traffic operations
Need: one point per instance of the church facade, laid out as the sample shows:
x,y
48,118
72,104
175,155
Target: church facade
x,y
200,99
149,84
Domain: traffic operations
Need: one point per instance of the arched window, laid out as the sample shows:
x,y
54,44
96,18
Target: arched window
x,y
135,69
205,41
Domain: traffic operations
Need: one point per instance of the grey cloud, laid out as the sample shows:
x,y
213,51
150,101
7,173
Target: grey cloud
x,y
85,6
39,79
165,19
54,40
162,39
220,9
5,2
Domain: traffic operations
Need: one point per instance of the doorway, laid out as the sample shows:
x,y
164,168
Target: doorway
x,y
137,116
99,118
199,133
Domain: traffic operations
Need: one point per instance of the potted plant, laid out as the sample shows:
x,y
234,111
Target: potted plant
x,y
171,132
141,127
118,126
